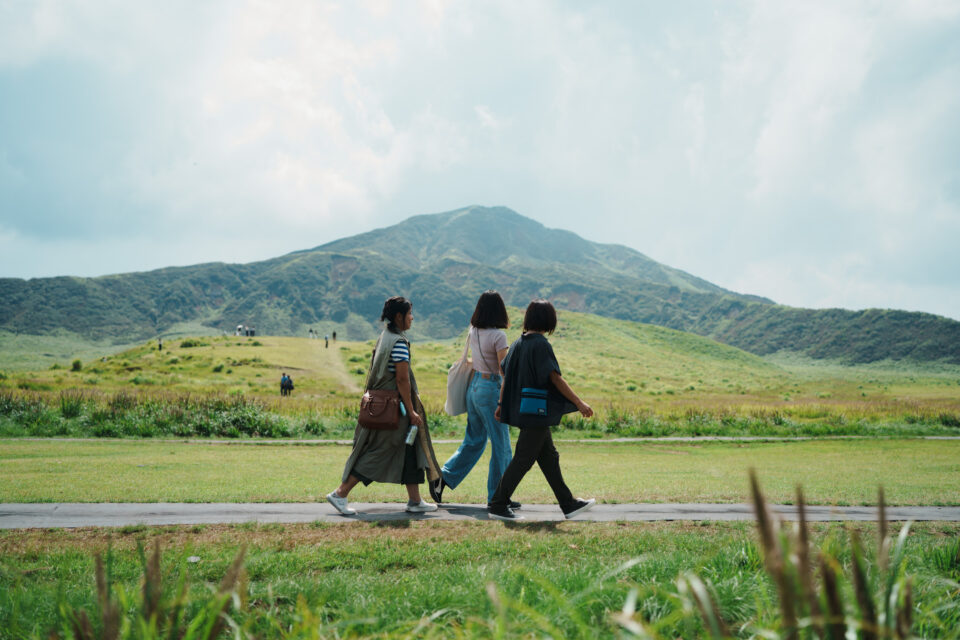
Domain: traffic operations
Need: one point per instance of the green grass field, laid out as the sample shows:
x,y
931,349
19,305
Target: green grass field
x,y
913,472
451,579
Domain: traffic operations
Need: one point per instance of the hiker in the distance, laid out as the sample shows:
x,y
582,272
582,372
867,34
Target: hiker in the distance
x,y
283,384
488,344
382,455
534,396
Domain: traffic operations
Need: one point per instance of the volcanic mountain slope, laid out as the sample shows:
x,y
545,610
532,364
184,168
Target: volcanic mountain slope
x,y
442,262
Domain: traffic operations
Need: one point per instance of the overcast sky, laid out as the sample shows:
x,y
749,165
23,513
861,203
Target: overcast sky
x,y
804,151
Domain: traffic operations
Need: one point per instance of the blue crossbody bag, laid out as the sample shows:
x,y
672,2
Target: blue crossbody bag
x,y
533,402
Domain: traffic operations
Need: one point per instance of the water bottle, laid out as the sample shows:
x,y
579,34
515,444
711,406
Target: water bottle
x,y
412,434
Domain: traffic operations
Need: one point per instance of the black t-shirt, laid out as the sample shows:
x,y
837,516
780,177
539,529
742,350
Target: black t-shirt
x,y
528,364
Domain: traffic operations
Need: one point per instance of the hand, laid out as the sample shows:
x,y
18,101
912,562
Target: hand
x,y
585,409
416,418
496,414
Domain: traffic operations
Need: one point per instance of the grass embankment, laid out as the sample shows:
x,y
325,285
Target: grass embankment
x,y
421,579
913,472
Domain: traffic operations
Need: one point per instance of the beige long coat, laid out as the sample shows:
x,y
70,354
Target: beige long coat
x,y
376,454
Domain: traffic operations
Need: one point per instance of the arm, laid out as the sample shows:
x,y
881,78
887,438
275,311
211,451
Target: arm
x,y
501,354
403,386
496,414
557,380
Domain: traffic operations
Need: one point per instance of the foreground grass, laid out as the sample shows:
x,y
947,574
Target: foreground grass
x,y
447,579
913,472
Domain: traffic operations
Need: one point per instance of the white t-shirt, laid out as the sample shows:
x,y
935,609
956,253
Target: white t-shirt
x,y
484,345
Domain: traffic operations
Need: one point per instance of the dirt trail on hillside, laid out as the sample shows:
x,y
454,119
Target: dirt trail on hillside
x,y
331,361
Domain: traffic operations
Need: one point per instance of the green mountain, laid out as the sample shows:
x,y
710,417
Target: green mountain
x,y
442,262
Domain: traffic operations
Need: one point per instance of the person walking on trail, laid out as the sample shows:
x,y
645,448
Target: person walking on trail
x,y
534,396
334,336
286,383
488,343
326,341
383,455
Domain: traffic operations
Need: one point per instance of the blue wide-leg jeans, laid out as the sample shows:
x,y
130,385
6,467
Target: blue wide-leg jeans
x,y
482,397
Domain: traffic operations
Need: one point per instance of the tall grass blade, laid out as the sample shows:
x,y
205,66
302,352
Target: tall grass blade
x,y
804,567
836,625
861,589
705,605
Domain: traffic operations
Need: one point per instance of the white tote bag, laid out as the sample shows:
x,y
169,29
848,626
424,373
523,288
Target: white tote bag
x,y
458,379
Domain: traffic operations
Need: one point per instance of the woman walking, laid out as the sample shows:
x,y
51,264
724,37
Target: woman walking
x,y
488,343
534,396
383,455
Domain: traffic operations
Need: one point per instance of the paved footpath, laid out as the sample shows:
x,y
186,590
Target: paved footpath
x,y
68,515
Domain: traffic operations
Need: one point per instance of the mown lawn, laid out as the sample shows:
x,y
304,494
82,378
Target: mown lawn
x,y
447,579
912,472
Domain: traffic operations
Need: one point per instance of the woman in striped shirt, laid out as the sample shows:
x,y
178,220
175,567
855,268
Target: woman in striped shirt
x,y
383,455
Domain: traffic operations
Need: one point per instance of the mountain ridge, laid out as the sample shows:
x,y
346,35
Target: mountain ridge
x,y
439,262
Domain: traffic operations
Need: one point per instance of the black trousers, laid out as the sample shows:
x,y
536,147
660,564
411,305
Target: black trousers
x,y
535,444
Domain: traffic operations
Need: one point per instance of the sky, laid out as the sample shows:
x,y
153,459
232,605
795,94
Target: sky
x,y
804,151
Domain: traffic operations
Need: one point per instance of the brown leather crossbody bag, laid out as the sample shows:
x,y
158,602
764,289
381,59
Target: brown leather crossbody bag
x,y
379,408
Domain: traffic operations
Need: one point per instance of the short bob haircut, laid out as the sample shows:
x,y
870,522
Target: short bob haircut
x,y
540,316
490,312
393,306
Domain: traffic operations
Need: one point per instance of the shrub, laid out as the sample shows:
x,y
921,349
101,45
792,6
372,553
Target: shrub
x,y
191,342
72,403
218,368
76,365
949,419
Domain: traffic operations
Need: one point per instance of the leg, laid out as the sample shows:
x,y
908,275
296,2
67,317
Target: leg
x,y
474,442
549,461
529,443
413,492
345,487
498,433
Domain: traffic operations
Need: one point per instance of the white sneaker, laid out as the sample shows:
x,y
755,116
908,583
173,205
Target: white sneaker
x,y
340,504
423,507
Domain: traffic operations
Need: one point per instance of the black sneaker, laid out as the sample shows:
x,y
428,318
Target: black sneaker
x,y
436,489
577,507
515,505
502,513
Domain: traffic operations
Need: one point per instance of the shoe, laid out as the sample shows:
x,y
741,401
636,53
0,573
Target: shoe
x,y
502,513
436,489
340,504
421,507
578,507
515,505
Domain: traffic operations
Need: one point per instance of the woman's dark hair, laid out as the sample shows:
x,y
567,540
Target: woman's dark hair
x,y
490,312
540,316
393,306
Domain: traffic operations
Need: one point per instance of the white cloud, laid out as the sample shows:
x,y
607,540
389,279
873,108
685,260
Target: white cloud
x,y
741,142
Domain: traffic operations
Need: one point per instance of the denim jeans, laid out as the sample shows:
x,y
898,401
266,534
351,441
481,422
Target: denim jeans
x,y
482,397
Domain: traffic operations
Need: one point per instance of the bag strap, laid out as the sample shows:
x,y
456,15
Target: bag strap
x,y
466,345
366,385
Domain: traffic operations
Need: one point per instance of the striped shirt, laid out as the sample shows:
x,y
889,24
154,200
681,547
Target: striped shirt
x,y
399,353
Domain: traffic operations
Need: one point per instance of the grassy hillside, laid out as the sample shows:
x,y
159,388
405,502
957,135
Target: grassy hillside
x,y
614,364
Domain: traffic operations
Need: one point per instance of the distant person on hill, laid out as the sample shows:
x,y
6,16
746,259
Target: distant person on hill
x,y
534,396
283,384
384,455
488,343
159,344
334,336
326,341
